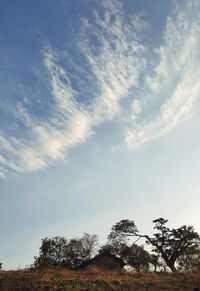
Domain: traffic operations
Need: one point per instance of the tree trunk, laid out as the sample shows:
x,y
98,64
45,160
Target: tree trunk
x,y
172,267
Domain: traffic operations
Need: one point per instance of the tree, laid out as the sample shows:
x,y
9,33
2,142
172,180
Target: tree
x,y
157,262
80,250
137,257
170,244
113,248
52,253
59,252
89,244
0,266
133,255
190,260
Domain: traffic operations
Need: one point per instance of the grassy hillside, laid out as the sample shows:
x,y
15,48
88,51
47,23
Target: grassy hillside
x,y
95,280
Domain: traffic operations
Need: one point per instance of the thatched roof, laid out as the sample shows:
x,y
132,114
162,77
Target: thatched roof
x,y
102,256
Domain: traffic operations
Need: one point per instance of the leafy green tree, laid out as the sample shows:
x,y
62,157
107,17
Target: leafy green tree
x,y
170,244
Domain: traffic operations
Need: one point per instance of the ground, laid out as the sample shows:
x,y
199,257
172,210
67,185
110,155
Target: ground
x,y
95,280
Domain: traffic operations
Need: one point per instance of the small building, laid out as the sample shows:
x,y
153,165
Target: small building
x,y
106,262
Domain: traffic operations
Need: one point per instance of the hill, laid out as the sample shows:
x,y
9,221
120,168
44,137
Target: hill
x,y
95,280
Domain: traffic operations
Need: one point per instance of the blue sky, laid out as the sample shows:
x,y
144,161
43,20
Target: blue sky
x,y
99,118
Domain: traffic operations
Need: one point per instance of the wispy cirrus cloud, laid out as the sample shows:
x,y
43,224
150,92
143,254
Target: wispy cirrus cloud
x,y
175,82
114,64
111,80
119,60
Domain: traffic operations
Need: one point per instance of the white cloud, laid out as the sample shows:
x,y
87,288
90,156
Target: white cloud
x,y
119,60
115,67
114,63
136,106
176,79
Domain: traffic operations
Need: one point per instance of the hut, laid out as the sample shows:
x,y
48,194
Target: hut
x,y
106,262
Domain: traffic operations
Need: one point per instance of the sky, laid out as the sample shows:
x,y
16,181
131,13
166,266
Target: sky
x,y
99,118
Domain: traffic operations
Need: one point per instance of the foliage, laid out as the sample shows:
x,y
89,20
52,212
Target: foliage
x,y
137,257
58,252
134,255
114,246
168,243
80,250
190,260
123,228
158,263
52,253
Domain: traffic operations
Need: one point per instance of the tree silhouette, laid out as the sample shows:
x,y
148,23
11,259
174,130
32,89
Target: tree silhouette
x,y
58,251
190,260
170,244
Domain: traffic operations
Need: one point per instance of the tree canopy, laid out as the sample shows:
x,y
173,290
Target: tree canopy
x,y
170,244
175,248
58,251
190,260
133,255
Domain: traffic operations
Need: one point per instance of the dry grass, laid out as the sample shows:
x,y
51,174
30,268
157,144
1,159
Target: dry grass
x,y
95,280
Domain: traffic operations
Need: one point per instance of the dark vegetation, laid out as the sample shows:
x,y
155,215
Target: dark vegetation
x,y
172,264
168,244
174,249
59,252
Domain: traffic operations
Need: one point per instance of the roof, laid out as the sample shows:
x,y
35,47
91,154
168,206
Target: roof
x,y
103,255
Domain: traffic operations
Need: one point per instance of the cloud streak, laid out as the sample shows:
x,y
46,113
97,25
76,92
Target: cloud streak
x,y
113,67
176,76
